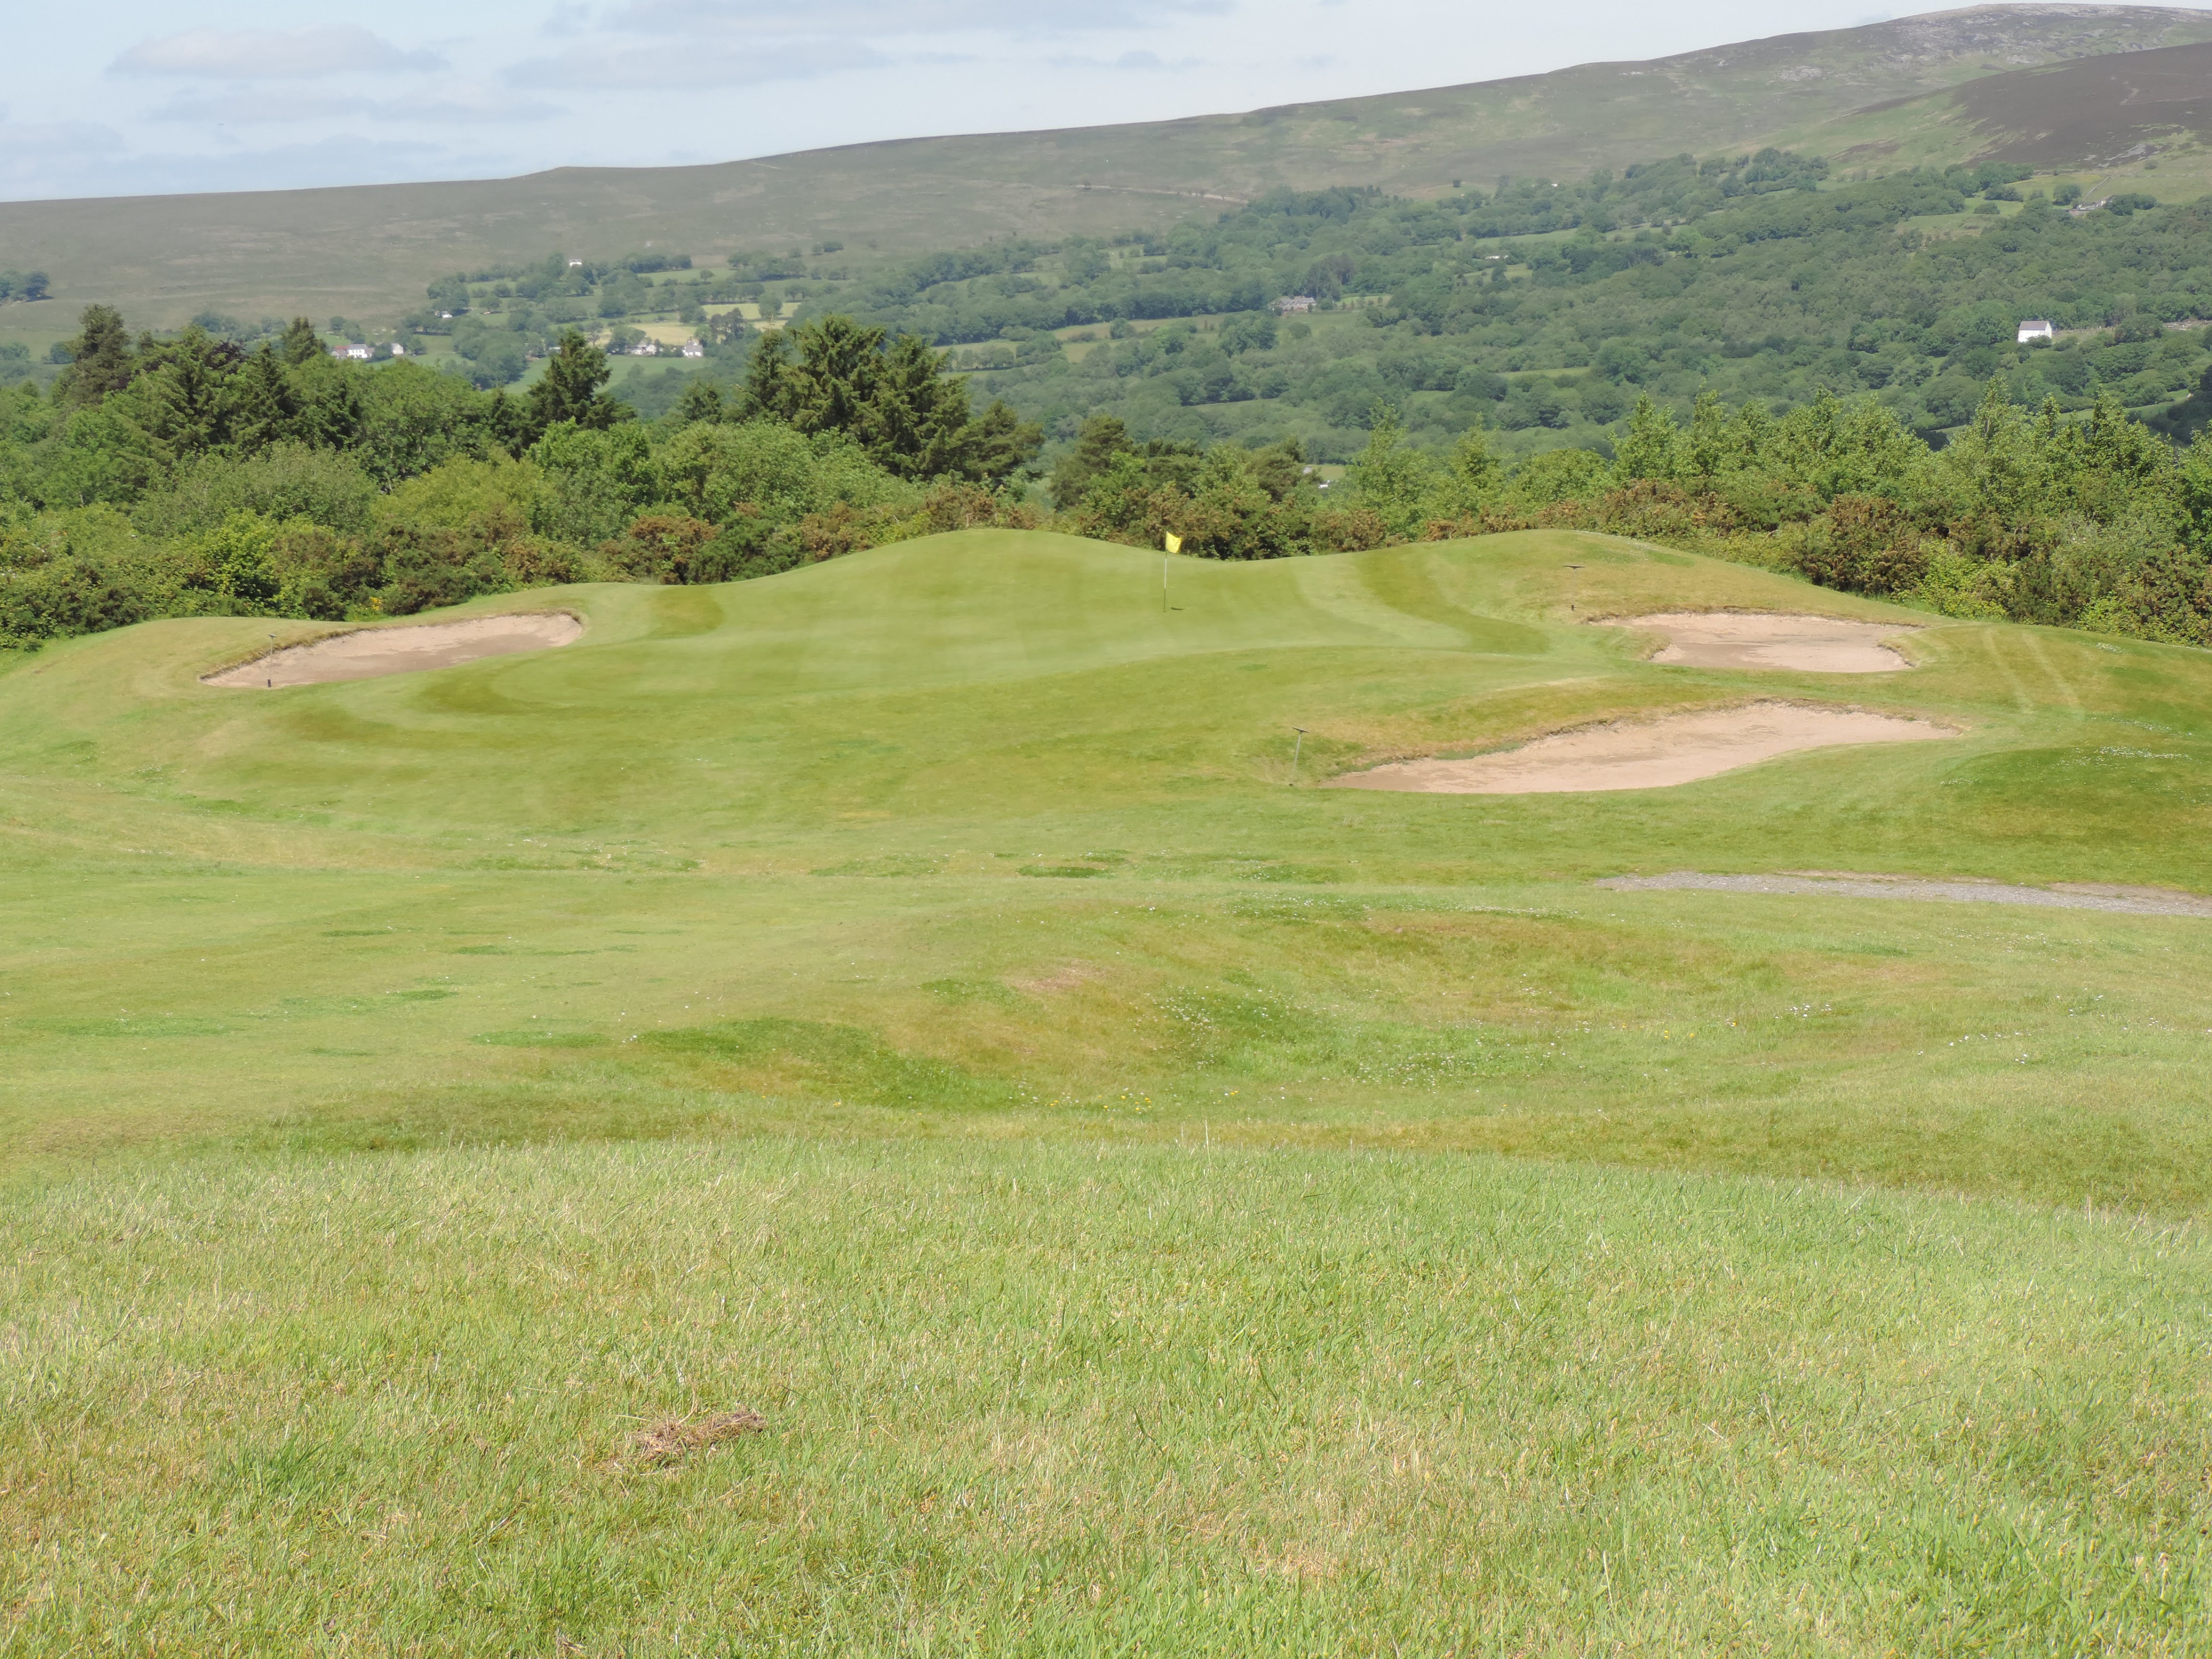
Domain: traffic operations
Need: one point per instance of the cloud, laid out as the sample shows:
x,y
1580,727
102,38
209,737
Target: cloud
x,y
270,54
566,20
693,65
463,102
25,146
886,17
254,108
80,162
1134,63
456,102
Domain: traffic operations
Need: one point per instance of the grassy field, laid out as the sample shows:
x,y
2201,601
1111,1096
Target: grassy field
x,y
1155,1208
367,252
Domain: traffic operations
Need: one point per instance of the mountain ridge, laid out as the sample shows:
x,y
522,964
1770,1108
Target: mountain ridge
x,y
344,248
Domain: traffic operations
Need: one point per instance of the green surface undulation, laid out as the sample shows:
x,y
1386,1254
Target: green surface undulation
x,y
1155,1208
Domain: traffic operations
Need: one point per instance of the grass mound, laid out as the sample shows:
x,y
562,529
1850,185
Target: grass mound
x,y
1146,1199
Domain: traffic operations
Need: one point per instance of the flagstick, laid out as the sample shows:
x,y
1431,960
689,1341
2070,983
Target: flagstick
x,y
1297,748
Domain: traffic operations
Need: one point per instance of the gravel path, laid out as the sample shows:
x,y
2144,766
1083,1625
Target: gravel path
x,y
2066,895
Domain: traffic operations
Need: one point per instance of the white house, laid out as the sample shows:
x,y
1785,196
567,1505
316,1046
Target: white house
x,y
645,349
1290,303
693,348
361,353
398,349
2035,328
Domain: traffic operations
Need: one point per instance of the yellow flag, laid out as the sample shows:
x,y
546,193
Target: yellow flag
x,y
1175,542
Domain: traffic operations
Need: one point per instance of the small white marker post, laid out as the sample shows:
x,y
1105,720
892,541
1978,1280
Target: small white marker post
x,y
1297,748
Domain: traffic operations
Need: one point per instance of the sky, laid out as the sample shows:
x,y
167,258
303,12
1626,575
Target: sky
x,y
147,96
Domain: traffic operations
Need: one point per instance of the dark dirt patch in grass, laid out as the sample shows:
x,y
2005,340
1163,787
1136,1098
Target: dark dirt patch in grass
x,y
665,1442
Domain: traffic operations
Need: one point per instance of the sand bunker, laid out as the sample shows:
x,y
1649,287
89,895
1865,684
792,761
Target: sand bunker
x,y
1812,645
2064,895
369,653
1680,748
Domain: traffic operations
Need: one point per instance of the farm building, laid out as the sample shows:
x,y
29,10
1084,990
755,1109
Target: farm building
x,y
2035,328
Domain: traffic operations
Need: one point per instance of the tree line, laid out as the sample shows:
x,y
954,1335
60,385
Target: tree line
x,y
184,476
2028,514
187,474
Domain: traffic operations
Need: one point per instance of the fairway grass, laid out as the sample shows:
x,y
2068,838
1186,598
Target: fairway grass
x,y
1158,1204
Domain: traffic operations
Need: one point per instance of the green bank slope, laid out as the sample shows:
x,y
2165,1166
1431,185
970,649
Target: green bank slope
x,y
1154,1205
372,248
736,833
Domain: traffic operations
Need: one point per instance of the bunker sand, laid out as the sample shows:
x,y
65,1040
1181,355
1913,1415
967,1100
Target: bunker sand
x,y
1812,645
1650,754
2062,895
369,654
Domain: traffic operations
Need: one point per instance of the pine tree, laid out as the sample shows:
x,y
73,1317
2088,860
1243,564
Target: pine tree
x,y
702,401
836,379
996,444
766,393
912,420
1101,438
572,388
267,407
301,343
101,360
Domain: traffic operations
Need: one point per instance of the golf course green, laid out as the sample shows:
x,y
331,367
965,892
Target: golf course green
x,y
1155,1202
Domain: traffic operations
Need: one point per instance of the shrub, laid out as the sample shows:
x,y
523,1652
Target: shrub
x,y
65,596
1862,544
972,507
842,528
1557,474
426,566
667,547
287,482
1349,530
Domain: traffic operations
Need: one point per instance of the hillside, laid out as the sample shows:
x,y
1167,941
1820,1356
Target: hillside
x,y
373,248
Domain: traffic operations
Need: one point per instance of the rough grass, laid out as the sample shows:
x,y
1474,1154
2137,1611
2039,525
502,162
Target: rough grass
x,y
1152,1208
1056,1400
